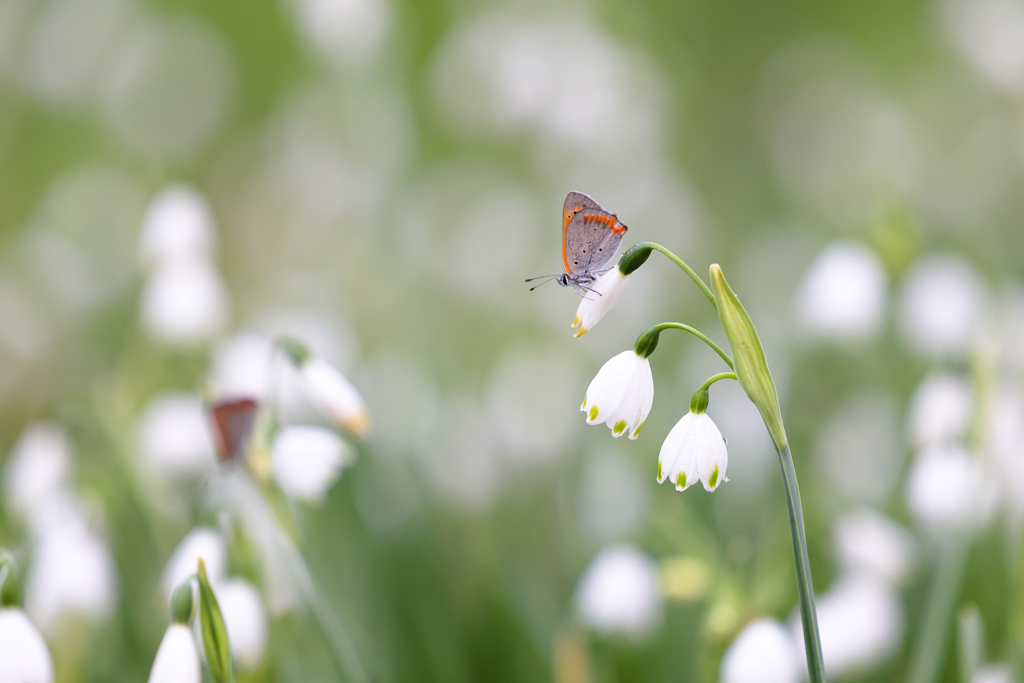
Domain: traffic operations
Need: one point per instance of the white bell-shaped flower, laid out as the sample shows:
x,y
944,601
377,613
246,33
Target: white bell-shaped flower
x,y
174,437
177,660
335,395
306,460
201,542
693,450
184,302
763,652
245,619
842,296
621,395
178,226
38,465
24,657
940,409
619,593
599,300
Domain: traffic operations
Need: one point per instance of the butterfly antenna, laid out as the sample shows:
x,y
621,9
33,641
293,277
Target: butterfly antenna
x,y
549,279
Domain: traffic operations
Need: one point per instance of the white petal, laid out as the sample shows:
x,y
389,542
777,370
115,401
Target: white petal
x,y
619,593
763,652
606,291
245,619
201,542
940,409
241,366
646,398
945,489
23,653
307,460
174,436
335,395
941,303
178,225
184,302
72,573
38,464
842,295
678,454
606,391
177,660
868,541
712,457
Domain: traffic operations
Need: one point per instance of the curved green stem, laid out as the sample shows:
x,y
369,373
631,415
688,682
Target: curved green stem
x,y
714,378
687,269
804,586
930,649
656,330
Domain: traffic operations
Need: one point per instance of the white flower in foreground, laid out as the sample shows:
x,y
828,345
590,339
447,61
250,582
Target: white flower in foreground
x,y
335,395
861,621
178,225
173,435
37,466
867,541
842,295
24,657
940,409
201,542
763,652
177,660
245,620
946,489
184,302
307,460
621,394
693,450
619,593
941,303
596,303
72,573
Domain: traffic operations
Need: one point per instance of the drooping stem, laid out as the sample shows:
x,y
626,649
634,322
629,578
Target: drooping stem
x,y
804,586
687,269
930,649
649,339
714,378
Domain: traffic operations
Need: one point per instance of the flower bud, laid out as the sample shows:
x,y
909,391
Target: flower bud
x,y
748,356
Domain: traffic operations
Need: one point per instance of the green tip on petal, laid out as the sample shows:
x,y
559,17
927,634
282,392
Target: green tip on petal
x,y
619,427
296,351
713,481
592,415
636,432
681,481
584,406
661,477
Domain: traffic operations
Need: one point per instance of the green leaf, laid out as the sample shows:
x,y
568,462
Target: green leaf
x,y
215,634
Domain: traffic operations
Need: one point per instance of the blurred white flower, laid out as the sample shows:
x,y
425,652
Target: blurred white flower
x,y
694,449
241,366
605,292
38,465
942,301
763,652
940,409
201,542
307,460
23,651
993,673
72,573
621,394
861,622
619,593
177,660
946,489
184,302
345,30
842,295
245,619
178,227
174,436
867,541
1005,438
335,395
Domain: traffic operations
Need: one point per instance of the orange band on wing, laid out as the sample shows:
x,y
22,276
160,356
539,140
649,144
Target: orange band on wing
x,y
609,220
565,226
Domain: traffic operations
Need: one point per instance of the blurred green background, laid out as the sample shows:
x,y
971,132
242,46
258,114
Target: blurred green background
x,y
383,174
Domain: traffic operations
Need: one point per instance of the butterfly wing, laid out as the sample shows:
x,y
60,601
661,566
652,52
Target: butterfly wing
x,y
590,236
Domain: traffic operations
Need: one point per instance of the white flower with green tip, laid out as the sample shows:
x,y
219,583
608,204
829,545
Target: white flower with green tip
x,y
693,450
177,660
621,394
596,303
